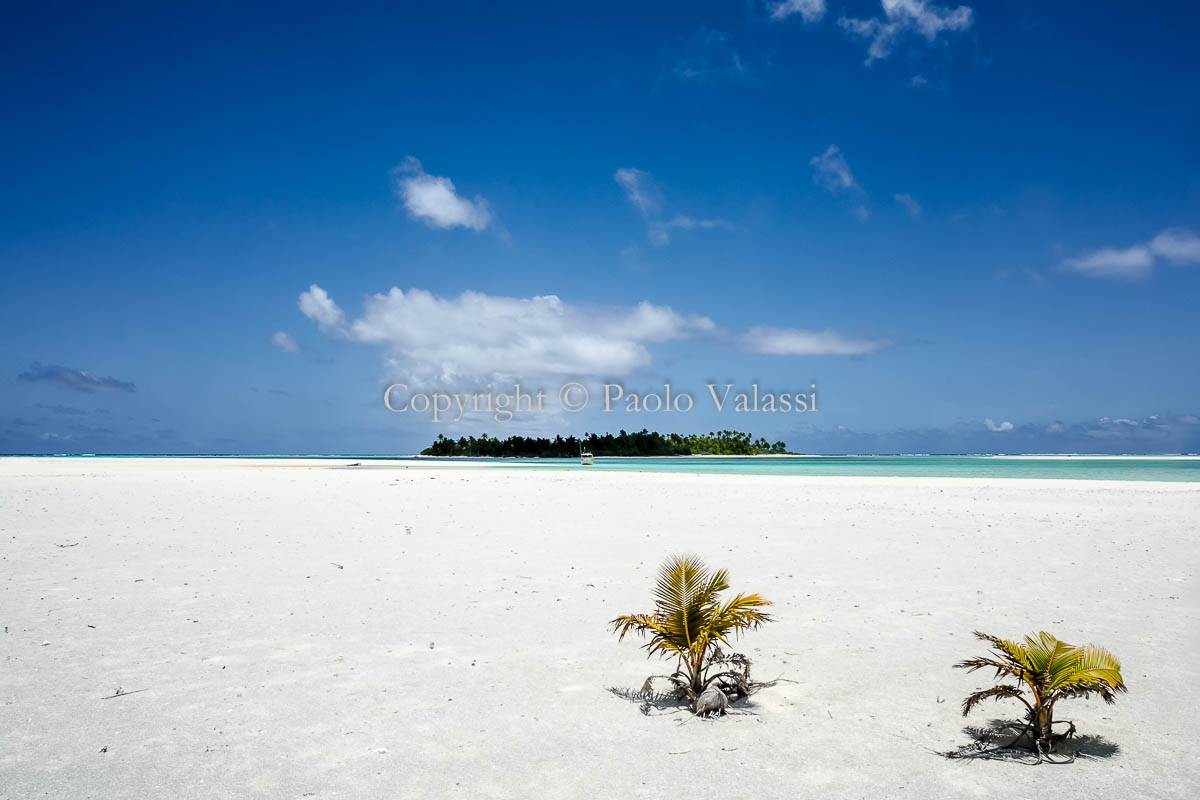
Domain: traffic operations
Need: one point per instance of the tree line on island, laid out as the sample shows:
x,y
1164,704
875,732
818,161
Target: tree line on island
x,y
638,443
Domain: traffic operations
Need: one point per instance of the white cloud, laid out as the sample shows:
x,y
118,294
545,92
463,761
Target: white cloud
x,y
475,336
317,305
646,197
707,56
1108,262
831,170
809,10
797,342
904,17
640,189
285,342
434,200
997,427
1177,245
910,204
660,232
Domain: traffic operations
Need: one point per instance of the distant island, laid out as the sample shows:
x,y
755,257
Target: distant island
x,y
642,443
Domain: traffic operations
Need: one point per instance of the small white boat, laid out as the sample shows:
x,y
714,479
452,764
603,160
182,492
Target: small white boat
x,y
585,459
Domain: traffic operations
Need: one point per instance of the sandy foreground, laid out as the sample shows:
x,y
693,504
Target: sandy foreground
x,y
461,648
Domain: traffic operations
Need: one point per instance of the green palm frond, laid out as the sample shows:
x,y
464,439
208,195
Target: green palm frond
x,y
684,593
1001,667
689,616
639,623
1096,663
742,612
996,692
1012,652
1094,670
1051,670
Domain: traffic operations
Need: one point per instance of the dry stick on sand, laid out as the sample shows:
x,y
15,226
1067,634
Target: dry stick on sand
x,y
120,693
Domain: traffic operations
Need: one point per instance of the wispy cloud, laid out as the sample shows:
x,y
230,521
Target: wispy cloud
x,y
904,18
1158,433
1108,262
646,196
831,171
640,189
1178,246
61,409
707,56
798,342
809,10
660,232
79,380
434,200
284,341
910,204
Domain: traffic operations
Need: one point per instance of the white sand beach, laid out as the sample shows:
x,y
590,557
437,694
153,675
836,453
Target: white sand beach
x,y
288,629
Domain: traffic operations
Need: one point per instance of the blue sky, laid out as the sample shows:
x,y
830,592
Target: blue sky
x,y
973,227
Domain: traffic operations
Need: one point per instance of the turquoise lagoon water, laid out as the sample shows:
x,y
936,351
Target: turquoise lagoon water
x,y
1081,467
1072,468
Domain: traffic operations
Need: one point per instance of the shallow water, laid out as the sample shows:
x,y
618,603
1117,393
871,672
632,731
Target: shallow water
x,y
1081,467
1111,468
1075,468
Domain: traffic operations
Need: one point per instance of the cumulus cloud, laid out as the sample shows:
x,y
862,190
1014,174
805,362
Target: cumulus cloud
x,y
903,18
997,427
79,380
317,305
809,10
797,342
910,204
285,341
434,200
1178,246
645,195
475,336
